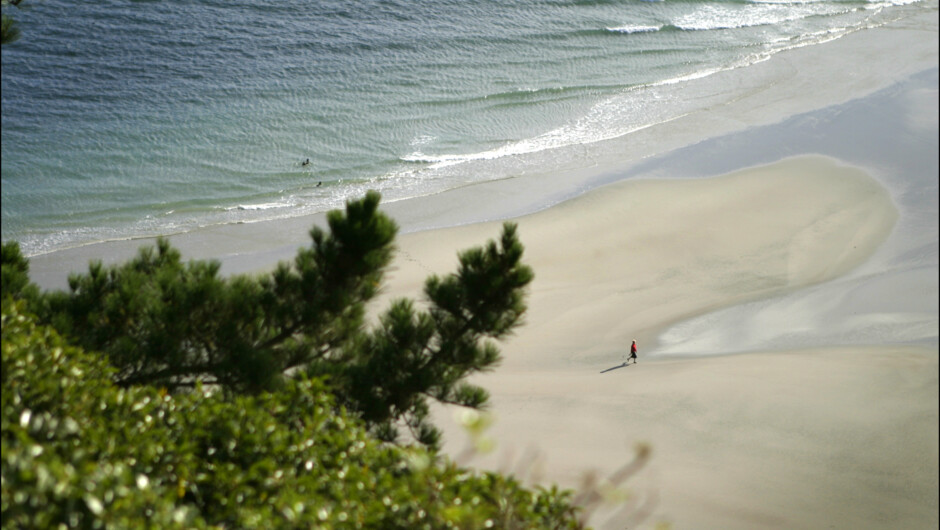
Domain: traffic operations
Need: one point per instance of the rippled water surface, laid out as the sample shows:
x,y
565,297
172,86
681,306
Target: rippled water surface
x,y
123,119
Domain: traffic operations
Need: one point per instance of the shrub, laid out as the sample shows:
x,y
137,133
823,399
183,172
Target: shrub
x,y
82,452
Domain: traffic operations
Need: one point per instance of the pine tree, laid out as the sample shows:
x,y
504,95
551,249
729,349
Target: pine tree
x,y
160,321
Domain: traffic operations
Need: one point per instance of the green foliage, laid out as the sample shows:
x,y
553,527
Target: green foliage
x,y
164,322
81,452
418,355
172,324
9,31
15,273
114,440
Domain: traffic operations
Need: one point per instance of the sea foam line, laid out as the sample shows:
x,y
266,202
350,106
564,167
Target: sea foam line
x,y
614,110
261,206
635,29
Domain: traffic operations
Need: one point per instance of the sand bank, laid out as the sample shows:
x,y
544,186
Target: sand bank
x,y
799,439
629,258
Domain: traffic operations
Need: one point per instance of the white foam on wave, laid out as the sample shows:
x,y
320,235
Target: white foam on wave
x,y
881,4
423,139
634,29
608,119
617,116
699,74
786,2
714,17
872,4
261,206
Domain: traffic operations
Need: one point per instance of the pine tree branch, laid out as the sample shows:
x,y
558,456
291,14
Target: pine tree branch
x,y
169,372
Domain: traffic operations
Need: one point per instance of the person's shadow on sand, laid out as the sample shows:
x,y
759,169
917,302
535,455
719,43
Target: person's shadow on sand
x,y
619,366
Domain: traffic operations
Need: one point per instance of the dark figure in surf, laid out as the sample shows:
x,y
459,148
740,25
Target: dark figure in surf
x,y
305,162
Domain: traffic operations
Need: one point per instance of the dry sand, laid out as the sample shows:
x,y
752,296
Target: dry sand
x,y
840,438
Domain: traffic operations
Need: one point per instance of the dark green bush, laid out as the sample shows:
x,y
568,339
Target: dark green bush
x,y
81,452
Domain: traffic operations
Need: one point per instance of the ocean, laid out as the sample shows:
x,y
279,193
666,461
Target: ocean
x,y
124,119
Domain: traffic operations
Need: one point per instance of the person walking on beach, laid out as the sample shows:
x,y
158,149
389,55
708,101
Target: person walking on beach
x,y
632,353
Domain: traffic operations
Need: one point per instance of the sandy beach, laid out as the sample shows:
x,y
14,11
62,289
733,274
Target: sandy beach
x,y
789,439
776,259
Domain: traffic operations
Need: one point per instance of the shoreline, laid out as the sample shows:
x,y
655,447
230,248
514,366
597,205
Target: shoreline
x,y
766,101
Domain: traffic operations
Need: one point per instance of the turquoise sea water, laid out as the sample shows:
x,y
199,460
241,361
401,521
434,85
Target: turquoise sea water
x,y
131,118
